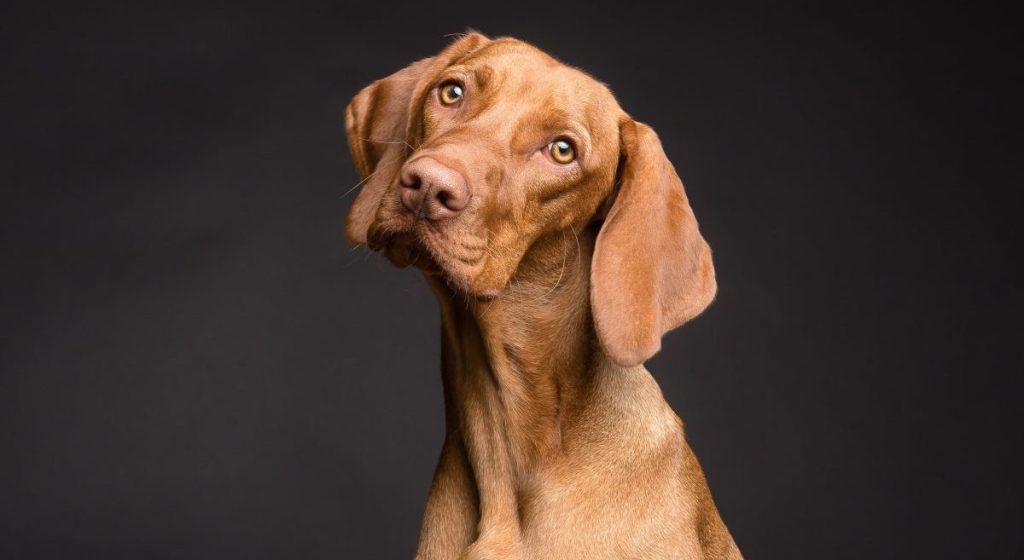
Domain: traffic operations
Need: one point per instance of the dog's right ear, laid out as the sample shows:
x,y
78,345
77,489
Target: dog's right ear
x,y
377,121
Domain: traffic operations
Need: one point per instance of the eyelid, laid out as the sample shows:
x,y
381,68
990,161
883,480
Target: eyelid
x,y
461,76
447,81
577,135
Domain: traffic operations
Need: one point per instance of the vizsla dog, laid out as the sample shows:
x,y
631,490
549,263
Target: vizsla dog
x,y
559,242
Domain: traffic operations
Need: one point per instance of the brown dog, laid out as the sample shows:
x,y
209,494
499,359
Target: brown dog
x,y
561,246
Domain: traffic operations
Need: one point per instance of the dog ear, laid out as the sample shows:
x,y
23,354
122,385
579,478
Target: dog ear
x,y
377,122
651,270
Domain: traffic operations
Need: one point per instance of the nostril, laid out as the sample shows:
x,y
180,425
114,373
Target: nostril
x,y
432,190
455,198
411,181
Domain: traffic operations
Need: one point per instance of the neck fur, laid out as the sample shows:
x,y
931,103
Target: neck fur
x,y
513,367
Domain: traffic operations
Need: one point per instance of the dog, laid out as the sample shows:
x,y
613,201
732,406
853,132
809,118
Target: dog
x,y
561,246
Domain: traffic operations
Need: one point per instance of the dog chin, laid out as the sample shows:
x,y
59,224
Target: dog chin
x,y
457,279
406,249
467,284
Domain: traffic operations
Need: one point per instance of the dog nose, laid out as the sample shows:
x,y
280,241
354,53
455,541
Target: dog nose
x,y
433,190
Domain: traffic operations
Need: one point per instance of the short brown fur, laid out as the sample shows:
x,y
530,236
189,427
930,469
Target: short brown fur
x,y
556,282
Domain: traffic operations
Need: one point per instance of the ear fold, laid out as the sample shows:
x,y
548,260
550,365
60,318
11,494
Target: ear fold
x,y
651,270
377,121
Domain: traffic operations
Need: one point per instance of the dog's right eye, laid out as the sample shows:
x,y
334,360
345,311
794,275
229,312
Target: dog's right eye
x,y
450,93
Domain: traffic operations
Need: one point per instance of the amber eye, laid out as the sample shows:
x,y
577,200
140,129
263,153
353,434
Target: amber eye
x,y
562,151
450,93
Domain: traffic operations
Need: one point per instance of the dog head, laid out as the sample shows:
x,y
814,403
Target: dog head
x,y
468,158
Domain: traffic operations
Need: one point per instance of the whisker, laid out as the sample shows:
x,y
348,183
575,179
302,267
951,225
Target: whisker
x,y
360,183
579,251
388,142
565,253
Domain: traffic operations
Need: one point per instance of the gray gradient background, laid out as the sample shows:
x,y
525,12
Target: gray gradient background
x,y
196,364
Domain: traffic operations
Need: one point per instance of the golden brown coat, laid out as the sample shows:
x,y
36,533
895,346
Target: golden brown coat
x,y
556,282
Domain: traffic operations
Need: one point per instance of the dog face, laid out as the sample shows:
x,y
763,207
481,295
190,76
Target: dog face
x,y
476,155
505,145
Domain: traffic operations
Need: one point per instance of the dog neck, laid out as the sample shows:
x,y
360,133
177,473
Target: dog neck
x,y
513,367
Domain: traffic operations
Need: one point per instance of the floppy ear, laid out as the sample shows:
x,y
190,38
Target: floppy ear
x,y
651,270
377,122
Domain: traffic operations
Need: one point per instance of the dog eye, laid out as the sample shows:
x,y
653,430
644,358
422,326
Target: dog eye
x,y
561,151
450,93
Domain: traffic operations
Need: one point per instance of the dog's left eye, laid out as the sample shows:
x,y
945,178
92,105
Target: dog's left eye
x,y
450,93
562,151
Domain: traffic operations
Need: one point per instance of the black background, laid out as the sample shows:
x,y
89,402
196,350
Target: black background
x,y
196,364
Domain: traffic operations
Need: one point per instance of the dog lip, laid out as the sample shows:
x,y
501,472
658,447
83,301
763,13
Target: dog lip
x,y
410,242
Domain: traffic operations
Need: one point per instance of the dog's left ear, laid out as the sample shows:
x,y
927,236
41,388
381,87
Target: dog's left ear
x,y
377,122
651,270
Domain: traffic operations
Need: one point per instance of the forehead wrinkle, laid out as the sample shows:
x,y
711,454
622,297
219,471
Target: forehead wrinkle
x,y
485,76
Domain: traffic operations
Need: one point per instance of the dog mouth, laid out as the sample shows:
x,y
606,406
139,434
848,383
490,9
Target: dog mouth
x,y
421,245
404,249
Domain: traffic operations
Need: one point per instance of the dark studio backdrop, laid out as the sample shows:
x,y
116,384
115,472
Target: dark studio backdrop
x,y
196,364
